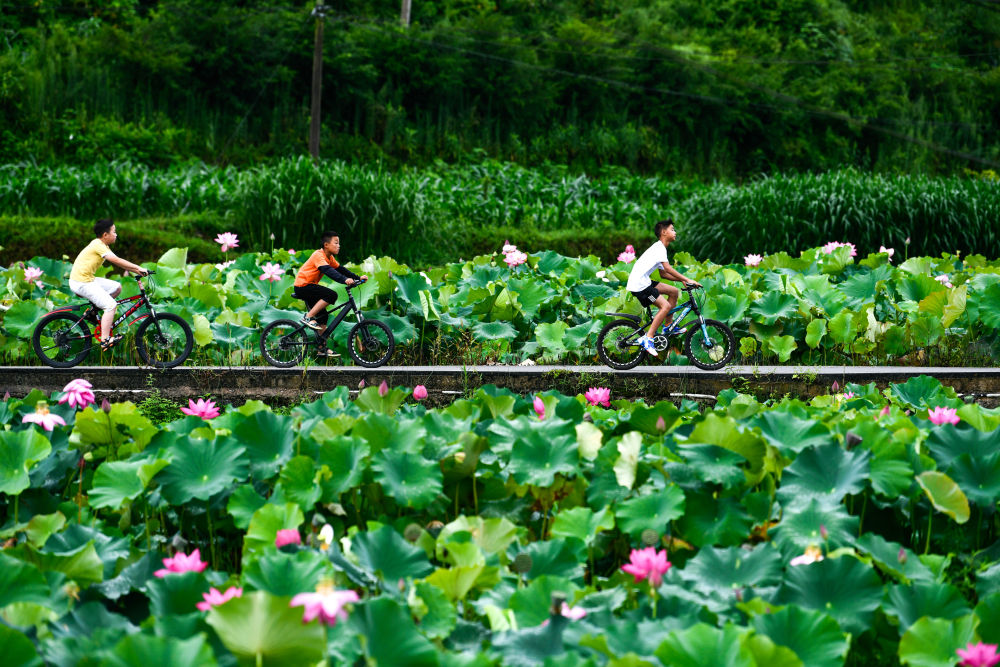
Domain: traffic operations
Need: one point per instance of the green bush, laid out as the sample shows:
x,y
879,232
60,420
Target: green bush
x,y
139,240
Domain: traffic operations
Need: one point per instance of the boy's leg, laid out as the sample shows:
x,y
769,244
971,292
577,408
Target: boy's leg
x,y
661,314
672,294
99,292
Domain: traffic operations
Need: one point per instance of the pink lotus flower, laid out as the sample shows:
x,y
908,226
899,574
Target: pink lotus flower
x,y
225,265
944,280
420,392
833,245
628,256
43,417
978,655
383,389
326,603
539,406
204,409
78,393
287,536
888,251
508,248
31,274
648,564
883,413
752,260
291,252
515,258
182,563
599,396
572,613
272,272
813,554
846,396
941,415
227,240
661,425
213,598
835,386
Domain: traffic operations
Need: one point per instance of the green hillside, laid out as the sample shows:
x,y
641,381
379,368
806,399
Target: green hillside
x,y
679,88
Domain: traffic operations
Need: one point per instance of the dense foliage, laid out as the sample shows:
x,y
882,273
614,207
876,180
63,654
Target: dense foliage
x,y
681,87
433,215
856,529
824,306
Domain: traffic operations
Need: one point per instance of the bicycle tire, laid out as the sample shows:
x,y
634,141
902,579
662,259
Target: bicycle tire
x,y
374,340
720,351
61,337
283,343
619,354
164,346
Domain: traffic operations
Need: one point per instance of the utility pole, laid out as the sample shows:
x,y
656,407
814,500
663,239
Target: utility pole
x,y
404,14
319,12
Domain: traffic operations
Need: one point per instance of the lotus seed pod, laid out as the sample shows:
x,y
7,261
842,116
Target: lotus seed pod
x,y
650,537
412,532
178,543
853,439
434,528
522,563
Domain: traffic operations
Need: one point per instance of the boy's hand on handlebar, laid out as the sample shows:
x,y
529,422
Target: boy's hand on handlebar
x,y
692,284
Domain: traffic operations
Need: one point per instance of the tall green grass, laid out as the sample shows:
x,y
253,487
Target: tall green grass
x,y
415,214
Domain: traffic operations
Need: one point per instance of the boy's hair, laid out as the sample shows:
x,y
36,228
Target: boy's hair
x,y
103,225
327,236
660,226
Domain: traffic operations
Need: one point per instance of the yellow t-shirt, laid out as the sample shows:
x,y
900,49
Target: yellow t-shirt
x,y
88,261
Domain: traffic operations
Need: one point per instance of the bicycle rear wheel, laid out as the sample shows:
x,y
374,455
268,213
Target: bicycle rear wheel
x,y
617,345
283,343
710,353
61,341
164,340
371,343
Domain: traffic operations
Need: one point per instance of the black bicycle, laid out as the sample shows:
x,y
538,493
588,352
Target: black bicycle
x,y
62,339
709,344
283,343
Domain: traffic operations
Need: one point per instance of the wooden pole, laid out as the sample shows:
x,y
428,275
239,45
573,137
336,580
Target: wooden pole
x,y
404,14
317,82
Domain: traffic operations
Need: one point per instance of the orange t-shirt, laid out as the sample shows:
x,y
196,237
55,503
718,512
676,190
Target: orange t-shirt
x,y
310,274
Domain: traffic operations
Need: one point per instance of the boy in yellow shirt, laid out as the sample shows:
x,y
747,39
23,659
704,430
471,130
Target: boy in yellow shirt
x,y
101,291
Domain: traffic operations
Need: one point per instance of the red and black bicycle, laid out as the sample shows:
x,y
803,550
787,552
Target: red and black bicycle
x,y
63,338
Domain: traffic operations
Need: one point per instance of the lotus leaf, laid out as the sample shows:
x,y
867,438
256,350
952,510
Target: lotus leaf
x,y
260,628
945,495
723,571
385,553
824,472
19,451
285,575
703,644
382,618
266,523
988,613
268,439
932,642
652,511
143,649
202,468
410,479
908,603
814,637
844,587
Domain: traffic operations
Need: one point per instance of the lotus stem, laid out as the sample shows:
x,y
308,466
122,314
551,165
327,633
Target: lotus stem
x,y
930,519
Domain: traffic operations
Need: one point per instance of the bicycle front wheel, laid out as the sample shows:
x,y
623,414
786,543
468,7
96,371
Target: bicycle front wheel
x,y
713,352
618,347
164,340
61,341
283,343
370,343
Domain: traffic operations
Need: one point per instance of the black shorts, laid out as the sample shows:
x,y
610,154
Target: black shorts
x,y
313,293
648,296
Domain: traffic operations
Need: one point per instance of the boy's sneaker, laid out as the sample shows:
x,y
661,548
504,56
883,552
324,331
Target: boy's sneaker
x,y
326,353
646,343
310,322
672,331
110,342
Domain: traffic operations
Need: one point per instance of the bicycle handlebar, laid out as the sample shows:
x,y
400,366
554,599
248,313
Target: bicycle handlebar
x,y
357,283
690,287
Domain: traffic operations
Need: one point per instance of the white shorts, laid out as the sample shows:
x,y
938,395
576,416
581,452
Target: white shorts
x,y
98,292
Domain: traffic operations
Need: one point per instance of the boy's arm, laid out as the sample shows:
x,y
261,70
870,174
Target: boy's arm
x,y
670,273
124,264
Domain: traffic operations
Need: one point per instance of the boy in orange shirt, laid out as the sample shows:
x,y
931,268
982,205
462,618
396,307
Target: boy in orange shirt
x,y
321,263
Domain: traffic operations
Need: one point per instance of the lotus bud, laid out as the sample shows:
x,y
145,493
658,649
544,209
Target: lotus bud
x,y
823,532
907,241
835,387
901,557
106,406
272,236
325,537
383,388
6,396
459,457
361,385
661,425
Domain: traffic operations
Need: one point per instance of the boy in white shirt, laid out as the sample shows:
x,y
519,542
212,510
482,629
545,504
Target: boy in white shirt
x,y
651,292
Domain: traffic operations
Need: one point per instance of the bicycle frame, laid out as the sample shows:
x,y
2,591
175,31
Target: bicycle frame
x,y
348,306
140,300
680,311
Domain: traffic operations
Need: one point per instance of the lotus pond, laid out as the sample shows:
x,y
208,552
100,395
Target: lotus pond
x,y
826,306
859,528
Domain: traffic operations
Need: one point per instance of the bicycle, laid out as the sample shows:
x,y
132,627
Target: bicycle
x,y
283,343
709,344
62,338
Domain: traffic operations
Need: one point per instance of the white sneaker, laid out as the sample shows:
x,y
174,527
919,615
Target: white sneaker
x,y
646,343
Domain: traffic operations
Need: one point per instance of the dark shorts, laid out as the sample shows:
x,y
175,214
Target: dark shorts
x,y
313,293
648,296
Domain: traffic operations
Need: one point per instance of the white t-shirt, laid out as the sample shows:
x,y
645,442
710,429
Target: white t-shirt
x,y
648,262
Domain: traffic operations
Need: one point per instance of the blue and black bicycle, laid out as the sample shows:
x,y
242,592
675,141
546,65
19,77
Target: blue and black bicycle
x,y
709,344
